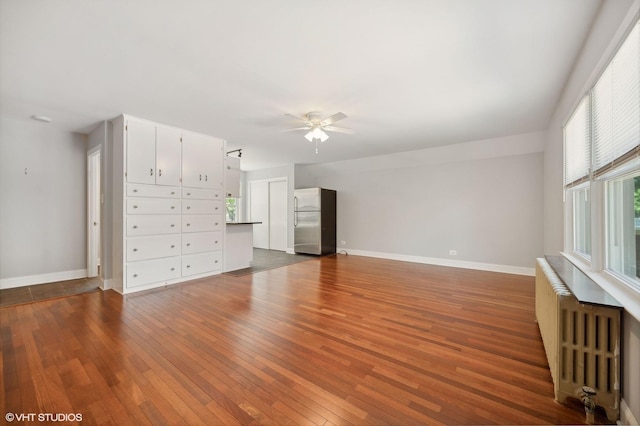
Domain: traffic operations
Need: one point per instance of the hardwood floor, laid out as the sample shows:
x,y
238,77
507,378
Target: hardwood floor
x,y
334,340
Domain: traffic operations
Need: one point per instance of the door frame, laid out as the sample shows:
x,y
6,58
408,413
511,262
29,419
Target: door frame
x,y
94,203
269,181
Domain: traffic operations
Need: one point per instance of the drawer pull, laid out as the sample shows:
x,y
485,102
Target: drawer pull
x,y
135,275
216,208
135,190
201,177
216,223
173,192
173,225
188,224
135,207
173,269
188,193
135,249
217,195
188,207
188,244
188,266
216,242
173,246
135,226
151,172
159,172
216,261
173,207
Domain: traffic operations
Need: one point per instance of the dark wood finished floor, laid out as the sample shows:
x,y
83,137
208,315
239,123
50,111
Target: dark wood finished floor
x,y
334,340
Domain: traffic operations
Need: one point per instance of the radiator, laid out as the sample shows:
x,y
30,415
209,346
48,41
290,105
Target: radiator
x,y
582,342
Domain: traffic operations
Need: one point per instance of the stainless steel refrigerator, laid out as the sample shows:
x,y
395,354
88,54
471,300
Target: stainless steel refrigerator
x,y
314,221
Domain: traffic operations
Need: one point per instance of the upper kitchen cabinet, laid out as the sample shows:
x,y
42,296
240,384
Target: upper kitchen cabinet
x,y
153,154
232,177
202,161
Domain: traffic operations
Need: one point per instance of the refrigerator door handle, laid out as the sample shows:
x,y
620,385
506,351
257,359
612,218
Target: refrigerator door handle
x,y
295,211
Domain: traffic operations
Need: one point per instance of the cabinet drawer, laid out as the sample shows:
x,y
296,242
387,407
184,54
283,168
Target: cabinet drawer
x,y
202,194
153,271
201,207
202,223
203,241
153,224
142,248
153,206
200,263
139,190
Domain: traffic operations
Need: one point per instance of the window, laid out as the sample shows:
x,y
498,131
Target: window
x,y
623,227
602,168
232,210
582,221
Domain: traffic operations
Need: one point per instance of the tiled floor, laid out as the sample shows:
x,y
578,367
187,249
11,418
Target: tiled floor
x,y
32,293
270,259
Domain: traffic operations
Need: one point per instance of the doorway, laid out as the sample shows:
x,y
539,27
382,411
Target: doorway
x,y
268,203
94,201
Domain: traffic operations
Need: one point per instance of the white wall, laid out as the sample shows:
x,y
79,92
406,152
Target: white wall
x,y
607,31
42,212
482,199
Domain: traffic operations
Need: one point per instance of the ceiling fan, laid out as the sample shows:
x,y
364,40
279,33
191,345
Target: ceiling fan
x,y
317,126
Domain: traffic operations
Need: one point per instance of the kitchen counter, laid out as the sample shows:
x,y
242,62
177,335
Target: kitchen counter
x,y
238,249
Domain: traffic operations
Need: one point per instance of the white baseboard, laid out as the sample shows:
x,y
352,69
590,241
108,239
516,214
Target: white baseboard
x,y
290,251
626,416
42,278
506,269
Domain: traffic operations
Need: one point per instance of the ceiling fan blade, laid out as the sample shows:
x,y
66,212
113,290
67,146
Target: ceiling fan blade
x,y
338,129
303,119
332,119
296,128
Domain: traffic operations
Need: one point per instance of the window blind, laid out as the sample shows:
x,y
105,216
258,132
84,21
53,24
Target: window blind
x,y
615,104
577,148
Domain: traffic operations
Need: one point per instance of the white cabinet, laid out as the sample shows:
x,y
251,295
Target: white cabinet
x,y
152,154
168,205
202,161
232,177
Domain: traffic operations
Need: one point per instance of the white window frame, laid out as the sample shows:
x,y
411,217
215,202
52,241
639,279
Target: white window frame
x,y
596,267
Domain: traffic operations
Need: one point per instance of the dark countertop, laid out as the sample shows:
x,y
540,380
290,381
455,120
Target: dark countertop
x,y
243,223
582,287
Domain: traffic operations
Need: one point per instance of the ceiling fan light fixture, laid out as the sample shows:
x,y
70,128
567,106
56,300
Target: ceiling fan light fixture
x,y
309,136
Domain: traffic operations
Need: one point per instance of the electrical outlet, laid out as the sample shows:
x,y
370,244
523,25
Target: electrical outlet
x,y
453,252
343,243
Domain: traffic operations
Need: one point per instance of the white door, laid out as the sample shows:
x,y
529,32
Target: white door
x,y
259,212
168,156
278,212
93,212
141,152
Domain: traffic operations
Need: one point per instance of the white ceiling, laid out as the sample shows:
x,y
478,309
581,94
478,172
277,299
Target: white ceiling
x,y
409,74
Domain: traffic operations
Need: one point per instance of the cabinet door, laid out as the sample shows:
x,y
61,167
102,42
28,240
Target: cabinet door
x,y
202,161
232,177
168,156
141,152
